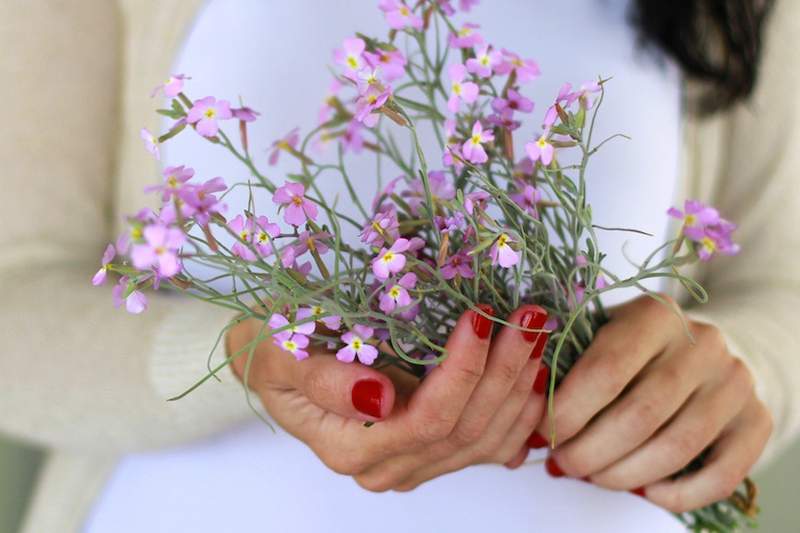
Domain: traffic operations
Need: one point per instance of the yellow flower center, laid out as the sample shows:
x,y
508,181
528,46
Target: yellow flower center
x,y
457,88
404,11
484,60
352,62
262,237
387,257
476,139
317,310
160,250
289,345
136,233
690,220
464,32
297,200
709,244
394,292
210,112
172,181
542,142
243,235
502,240
357,344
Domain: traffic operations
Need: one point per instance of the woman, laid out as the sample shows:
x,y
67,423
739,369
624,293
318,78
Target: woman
x,y
641,403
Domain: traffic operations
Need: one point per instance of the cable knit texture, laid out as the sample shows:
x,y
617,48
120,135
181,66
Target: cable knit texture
x,y
90,383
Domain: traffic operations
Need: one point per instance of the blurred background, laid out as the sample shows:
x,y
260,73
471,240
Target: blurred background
x,y
779,484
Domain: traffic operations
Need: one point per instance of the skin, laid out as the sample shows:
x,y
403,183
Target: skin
x,y
640,404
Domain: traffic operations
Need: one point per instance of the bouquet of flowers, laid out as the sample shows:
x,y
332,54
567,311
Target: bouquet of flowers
x,y
490,223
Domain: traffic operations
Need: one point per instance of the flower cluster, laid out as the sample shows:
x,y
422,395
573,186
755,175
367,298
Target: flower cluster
x,y
479,216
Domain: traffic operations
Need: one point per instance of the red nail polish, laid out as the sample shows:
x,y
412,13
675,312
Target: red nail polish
x,y
481,324
540,383
367,396
534,318
552,467
536,441
639,492
538,348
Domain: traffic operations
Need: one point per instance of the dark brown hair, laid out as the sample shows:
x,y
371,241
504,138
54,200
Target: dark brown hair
x,y
718,42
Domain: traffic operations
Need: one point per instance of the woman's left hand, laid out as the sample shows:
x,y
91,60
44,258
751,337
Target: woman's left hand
x,y
643,402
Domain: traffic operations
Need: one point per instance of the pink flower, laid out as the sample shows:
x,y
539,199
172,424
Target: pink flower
x,y
397,295
160,250
696,217
586,93
201,203
475,199
307,241
295,338
294,345
484,61
174,178
356,346
205,113
717,239
171,87
501,252
514,102
298,207
244,230
391,63
264,229
135,301
527,69
466,37
472,149
352,138
459,264
527,198
100,277
399,15
459,89
390,261
504,119
540,150
350,56
369,101
383,226
332,322
287,143
441,188
150,142
466,5
245,114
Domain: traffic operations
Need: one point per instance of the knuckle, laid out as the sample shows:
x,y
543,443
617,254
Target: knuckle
x,y
467,433
685,445
741,376
433,428
708,336
470,374
644,415
507,372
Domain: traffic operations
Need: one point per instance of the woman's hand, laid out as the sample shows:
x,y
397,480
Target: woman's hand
x,y
643,402
478,406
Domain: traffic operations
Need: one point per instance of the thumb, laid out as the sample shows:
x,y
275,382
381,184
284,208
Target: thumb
x,y
351,390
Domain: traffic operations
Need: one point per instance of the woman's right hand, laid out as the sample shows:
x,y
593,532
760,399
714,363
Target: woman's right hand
x,y
479,406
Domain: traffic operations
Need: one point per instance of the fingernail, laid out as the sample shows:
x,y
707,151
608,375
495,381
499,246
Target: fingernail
x,y
538,348
540,383
639,492
586,479
536,441
552,467
534,318
367,397
481,324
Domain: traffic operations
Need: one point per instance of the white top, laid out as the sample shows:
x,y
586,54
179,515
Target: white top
x,y
274,54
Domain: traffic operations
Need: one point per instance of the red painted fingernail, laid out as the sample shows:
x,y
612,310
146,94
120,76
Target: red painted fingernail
x,y
367,397
586,479
552,467
538,348
540,383
536,441
639,492
534,318
481,324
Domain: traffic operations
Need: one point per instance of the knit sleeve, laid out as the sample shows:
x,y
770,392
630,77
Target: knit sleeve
x,y
74,371
755,297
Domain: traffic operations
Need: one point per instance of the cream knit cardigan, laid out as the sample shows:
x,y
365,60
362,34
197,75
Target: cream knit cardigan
x,y
90,382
